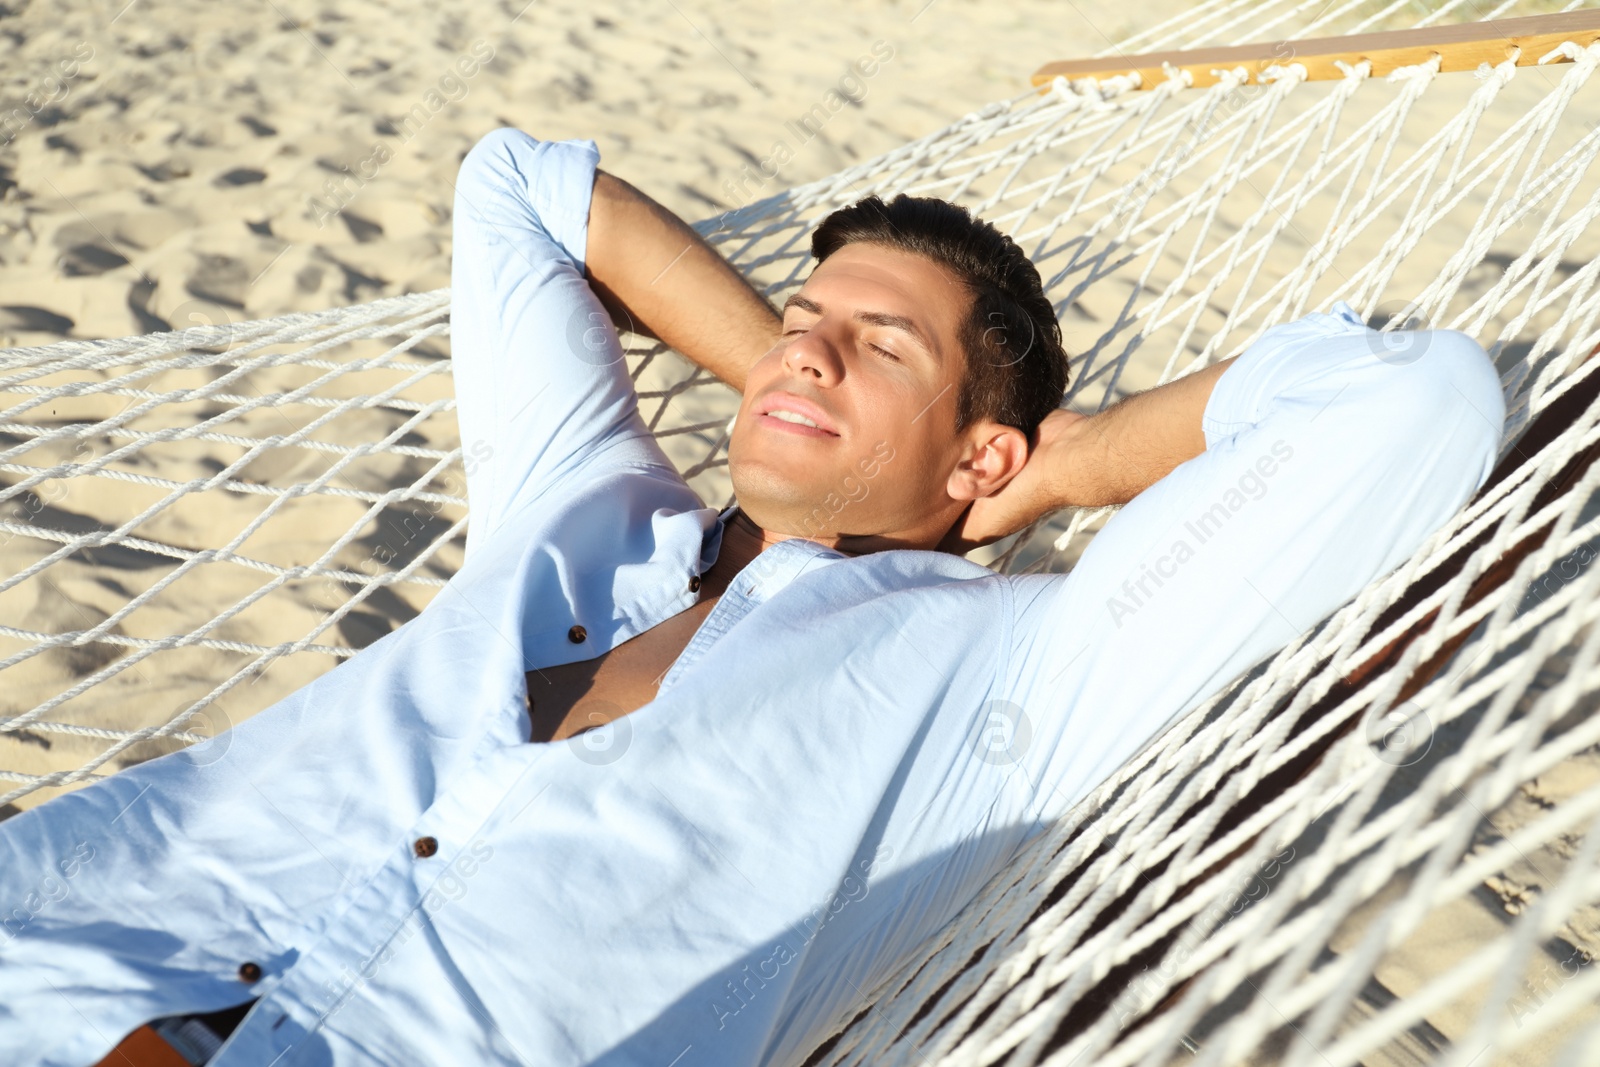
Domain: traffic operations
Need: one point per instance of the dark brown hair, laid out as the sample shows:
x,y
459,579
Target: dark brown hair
x,y
1016,369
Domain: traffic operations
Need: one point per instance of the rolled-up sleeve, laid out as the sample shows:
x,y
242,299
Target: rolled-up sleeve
x,y
1333,451
541,383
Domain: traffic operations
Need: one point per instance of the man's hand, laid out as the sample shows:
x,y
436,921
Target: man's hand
x,y
1034,492
1094,461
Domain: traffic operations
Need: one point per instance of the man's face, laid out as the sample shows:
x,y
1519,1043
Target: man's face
x,y
871,353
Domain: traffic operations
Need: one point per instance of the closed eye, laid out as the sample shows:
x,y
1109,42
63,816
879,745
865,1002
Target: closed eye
x,y
884,352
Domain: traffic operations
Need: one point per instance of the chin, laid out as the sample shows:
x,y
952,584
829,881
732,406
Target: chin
x,y
767,494
782,507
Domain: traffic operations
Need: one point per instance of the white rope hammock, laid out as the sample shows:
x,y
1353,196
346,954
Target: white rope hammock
x,y
1259,885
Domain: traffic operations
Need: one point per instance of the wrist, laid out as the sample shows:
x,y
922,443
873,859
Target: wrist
x,y
1073,448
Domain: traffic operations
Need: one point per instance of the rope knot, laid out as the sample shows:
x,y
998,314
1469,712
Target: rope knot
x,y
1424,71
1228,78
1291,72
1358,71
1565,50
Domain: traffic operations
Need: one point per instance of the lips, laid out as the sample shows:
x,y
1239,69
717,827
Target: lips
x,y
789,406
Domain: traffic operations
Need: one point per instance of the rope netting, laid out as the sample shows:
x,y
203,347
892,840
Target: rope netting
x,y
1256,885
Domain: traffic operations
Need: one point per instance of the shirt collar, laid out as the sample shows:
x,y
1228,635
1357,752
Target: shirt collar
x,y
776,566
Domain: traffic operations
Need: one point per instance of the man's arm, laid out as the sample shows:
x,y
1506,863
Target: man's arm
x,y
1096,460
657,276
1328,461
541,383
1114,456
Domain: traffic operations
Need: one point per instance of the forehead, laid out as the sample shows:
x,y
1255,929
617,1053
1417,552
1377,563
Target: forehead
x,y
873,278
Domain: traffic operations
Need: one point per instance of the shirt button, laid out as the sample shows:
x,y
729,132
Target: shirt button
x,y
577,634
425,846
694,584
250,973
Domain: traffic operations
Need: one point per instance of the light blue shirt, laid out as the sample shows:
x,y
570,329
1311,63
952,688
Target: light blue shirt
x,y
844,753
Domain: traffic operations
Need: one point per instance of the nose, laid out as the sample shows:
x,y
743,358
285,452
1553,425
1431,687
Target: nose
x,y
814,357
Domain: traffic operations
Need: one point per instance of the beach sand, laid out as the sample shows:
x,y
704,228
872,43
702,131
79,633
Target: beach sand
x,y
190,163
184,171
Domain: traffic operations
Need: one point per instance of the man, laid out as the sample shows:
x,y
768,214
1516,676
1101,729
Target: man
x,y
818,729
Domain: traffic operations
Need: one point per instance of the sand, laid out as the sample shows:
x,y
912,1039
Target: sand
x,y
192,162
189,163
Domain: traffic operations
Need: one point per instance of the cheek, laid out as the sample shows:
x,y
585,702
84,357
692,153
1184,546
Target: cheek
x,y
892,401
757,381
914,420
912,479
917,416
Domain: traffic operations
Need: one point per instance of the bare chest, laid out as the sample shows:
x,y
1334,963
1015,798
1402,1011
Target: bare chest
x,y
574,697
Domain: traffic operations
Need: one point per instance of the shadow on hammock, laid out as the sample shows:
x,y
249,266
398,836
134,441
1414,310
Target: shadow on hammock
x,y
46,516
1561,414
400,534
1109,992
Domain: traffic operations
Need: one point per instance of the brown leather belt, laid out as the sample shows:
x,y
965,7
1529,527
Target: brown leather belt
x,y
176,1041
145,1048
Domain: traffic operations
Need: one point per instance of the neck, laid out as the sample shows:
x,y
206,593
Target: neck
x,y
743,540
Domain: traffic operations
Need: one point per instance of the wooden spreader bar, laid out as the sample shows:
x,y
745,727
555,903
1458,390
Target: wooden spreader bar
x,y
1461,47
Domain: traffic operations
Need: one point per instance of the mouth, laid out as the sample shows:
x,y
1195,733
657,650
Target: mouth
x,y
791,414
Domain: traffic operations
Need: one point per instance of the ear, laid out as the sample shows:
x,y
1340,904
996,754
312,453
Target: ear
x,y
994,454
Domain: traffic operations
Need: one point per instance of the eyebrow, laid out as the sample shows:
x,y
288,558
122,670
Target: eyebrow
x,y
872,318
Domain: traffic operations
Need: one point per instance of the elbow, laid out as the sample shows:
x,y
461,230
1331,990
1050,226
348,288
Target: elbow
x,y
1454,403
